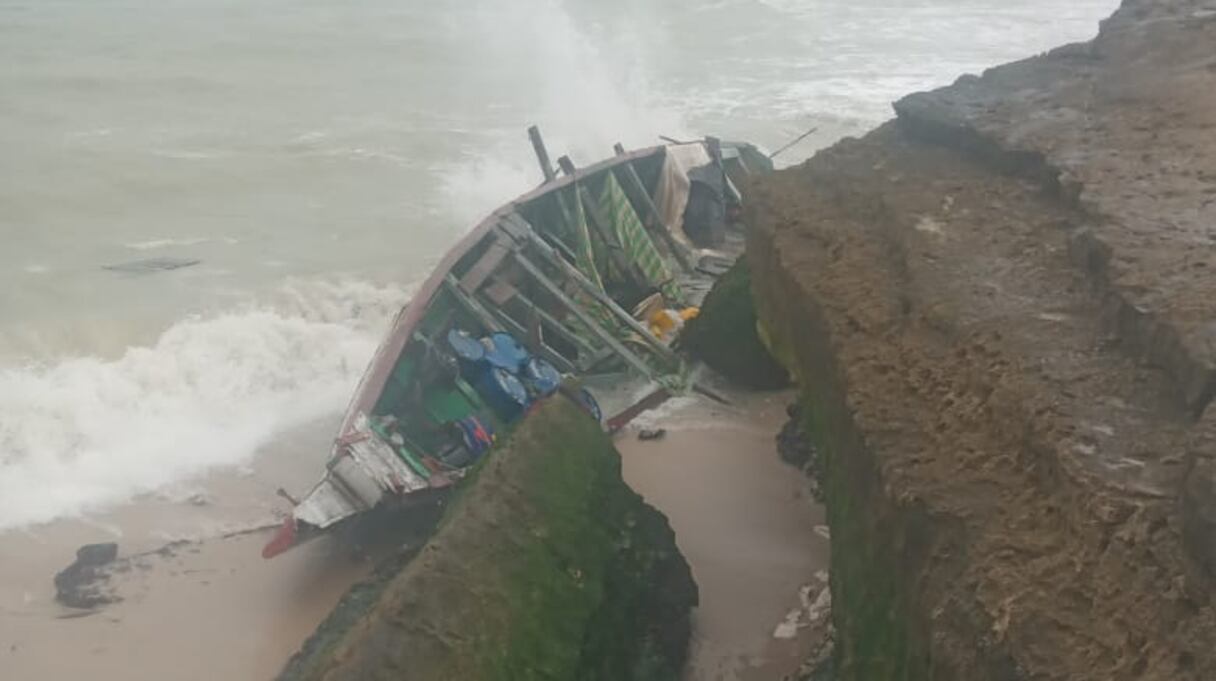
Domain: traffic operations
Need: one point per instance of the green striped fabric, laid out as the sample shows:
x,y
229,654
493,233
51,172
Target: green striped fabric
x,y
579,237
580,241
638,247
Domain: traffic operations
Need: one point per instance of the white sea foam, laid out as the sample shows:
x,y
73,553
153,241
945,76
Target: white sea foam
x,y
85,433
155,244
588,93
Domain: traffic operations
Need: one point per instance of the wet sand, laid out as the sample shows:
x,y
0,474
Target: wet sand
x,y
745,522
209,608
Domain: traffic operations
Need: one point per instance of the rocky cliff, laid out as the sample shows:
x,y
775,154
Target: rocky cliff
x,y
1001,310
547,566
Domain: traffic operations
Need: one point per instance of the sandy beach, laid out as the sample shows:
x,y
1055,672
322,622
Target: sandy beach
x,y
746,524
199,603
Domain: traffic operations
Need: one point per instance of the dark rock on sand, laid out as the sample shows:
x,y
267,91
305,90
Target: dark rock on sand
x,y
83,584
797,448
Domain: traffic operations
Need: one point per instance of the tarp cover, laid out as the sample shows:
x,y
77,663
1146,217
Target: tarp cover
x,y
671,194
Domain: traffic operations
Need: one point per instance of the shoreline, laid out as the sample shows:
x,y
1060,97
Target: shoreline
x,y
743,518
191,580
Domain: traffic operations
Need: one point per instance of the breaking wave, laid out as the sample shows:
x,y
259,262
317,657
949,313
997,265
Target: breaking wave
x,y
86,433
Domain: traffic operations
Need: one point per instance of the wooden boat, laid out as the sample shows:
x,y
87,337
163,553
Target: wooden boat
x,y
539,295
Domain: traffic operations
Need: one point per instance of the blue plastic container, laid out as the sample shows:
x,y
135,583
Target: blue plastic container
x,y
503,393
506,353
588,402
470,355
542,377
466,347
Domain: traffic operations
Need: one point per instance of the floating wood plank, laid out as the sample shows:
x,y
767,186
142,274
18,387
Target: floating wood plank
x,y
150,265
594,326
655,219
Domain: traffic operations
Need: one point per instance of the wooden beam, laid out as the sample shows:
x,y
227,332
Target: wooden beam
x,y
515,226
542,154
558,328
594,326
484,267
469,303
656,219
650,401
594,291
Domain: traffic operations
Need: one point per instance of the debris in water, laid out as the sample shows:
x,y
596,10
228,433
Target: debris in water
x,y
821,607
810,610
789,627
652,434
150,265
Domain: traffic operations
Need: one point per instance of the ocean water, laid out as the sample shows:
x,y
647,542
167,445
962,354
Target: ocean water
x,y
318,157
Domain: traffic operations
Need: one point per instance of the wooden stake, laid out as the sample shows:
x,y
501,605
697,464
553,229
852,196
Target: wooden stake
x,y
542,154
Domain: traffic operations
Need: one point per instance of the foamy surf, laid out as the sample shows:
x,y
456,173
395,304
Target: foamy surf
x,y
84,433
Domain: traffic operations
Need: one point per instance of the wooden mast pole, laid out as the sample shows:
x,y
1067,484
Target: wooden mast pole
x,y
542,154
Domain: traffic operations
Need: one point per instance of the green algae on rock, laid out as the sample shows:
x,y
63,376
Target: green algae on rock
x,y
725,335
547,566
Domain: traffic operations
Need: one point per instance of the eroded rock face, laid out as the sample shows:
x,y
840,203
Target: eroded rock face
x,y
546,566
996,307
1199,514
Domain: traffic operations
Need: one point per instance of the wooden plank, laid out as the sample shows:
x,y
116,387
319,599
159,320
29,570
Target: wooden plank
x,y
650,401
468,303
602,333
655,221
558,328
499,292
571,272
484,267
515,226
